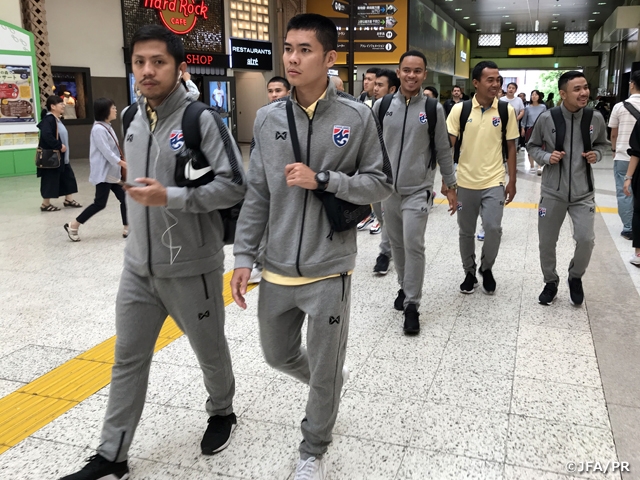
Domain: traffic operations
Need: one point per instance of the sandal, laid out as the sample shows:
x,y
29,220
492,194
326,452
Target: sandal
x,y
72,232
49,208
72,203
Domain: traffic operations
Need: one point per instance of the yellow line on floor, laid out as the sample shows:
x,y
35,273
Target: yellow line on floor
x,y
534,206
38,403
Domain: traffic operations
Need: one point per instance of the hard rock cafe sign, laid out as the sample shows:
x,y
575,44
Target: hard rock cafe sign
x,y
179,16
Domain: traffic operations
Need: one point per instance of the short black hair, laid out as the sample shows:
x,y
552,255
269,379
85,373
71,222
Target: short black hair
x,y
432,90
324,28
540,95
281,80
175,46
456,86
392,77
53,100
479,68
567,76
375,70
413,53
550,96
512,83
635,78
102,108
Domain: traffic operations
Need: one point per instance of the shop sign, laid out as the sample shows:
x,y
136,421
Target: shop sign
x,y
179,16
250,54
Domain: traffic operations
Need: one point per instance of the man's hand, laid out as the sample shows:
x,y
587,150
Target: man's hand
x,y
452,198
153,195
239,282
444,189
510,192
299,175
590,156
556,156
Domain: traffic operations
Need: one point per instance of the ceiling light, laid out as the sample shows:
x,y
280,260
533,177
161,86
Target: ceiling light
x,y
478,30
557,5
554,21
458,9
596,13
507,23
465,18
592,20
501,8
505,16
537,25
511,29
602,3
473,24
555,15
554,28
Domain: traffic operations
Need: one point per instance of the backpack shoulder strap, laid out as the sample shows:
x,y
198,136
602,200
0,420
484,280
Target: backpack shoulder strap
x,y
191,124
384,106
632,110
464,116
430,106
128,116
362,97
503,111
585,128
560,126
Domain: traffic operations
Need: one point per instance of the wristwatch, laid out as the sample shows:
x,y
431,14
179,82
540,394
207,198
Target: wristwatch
x,y
453,187
322,179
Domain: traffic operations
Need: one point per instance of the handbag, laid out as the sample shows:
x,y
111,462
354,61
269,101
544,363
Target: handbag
x,y
46,158
342,215
527,134
123,170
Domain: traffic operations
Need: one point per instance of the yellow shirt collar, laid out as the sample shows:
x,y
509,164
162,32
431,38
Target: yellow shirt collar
x,y
311,109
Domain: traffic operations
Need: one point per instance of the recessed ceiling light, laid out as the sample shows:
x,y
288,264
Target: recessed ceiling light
x,y
511,29
596,13
554,21
592,20
602,3
473,24
478,30
557,5
505,16
507,23
501,8
555,15
465,18
458,9
554,28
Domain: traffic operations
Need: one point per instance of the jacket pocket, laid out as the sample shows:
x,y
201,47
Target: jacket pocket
x,y
551,176
414,172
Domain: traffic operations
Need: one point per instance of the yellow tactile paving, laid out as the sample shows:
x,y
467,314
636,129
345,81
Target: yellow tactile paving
x,y
33,406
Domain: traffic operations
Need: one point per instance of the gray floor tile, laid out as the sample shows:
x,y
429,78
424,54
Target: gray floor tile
x,y
558,367
283,401
39,459
33,361
555,339
359,459
625,423
422,464
9,386
512,472
480,356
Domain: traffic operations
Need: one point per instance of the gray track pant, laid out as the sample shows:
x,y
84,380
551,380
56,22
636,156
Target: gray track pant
x,y
142,305
469,202
551,215
385,245
406,222
281,313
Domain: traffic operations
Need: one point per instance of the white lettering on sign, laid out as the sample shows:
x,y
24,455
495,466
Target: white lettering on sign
x,y
463,56
252,61
255,51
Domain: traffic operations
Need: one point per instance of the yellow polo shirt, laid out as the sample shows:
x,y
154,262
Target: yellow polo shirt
x,y
480,165
276,278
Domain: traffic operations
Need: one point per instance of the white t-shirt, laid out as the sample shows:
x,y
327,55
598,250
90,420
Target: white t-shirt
x,y
218,96
622,119
515,102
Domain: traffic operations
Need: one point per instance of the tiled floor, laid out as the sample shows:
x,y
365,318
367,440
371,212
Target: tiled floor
x,y
494,387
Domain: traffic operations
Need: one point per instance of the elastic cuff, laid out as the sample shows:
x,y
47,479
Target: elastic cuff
x,y
175,199
334,182
243,261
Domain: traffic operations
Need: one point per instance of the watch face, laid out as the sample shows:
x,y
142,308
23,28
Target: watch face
x,y
323,177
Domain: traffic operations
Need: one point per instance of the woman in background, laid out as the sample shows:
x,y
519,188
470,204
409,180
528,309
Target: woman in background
x,y
531,114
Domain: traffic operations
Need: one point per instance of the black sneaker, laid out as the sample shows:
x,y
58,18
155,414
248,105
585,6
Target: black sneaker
x,y
99,467
382,264
398,303
576,294
627,235
470,283
488,282
548,293
411,320
218,434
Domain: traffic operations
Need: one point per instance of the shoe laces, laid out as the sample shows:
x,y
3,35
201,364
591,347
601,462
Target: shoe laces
x,y
549,289
306,469
95,462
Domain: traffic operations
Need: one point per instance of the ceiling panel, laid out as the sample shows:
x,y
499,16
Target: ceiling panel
x,y
494,16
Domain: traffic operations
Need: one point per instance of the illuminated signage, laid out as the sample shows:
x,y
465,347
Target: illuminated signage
x,y
463,56
531,51
251,54
179,16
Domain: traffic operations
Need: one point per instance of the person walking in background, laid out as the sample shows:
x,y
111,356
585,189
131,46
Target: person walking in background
x,y
531,114
550,103
368,83
456,97
193,93
623,118
632,181
277,87
106,161
61,181
431,92
517,103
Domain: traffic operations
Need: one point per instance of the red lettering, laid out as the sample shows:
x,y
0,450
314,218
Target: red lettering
x,y
209,59
195,59
179,21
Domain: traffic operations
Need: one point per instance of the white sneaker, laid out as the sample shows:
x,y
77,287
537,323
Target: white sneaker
x,y
635,260
346,374
366,222
311,469
256,275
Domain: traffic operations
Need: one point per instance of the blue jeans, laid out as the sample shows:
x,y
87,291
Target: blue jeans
x,y
625,204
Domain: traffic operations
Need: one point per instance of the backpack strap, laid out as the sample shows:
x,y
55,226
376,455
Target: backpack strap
x,y
384,106
362,97
430,106
191,124
560,126
293,131
585,130
464,116
503,111
128,116
632,110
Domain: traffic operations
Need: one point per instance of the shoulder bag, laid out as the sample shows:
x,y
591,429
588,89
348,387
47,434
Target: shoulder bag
x,y
48,158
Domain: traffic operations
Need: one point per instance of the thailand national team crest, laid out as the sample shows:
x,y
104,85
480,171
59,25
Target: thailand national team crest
x,y
341,135
422,117
495,121
542,212
590,129
176,140
459,206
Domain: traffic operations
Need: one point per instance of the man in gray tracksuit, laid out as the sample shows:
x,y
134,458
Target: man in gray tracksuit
x,y
307,266
567,184
173,258
406,136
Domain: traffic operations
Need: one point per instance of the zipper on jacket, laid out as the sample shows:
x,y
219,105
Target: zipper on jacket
x,y
146,209
306,197
404,124
570,155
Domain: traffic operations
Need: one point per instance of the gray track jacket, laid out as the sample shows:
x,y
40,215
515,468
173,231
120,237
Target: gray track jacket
x,y
567,180
342,138
406,136
185,239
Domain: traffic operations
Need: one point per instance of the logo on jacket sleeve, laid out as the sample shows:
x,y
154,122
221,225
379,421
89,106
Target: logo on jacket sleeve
x,y
495,121
341,135
422,117
176,140
542,212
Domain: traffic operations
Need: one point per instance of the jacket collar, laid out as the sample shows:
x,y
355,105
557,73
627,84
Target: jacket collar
x,y
418,97
175,100
476,104
329,95
569,115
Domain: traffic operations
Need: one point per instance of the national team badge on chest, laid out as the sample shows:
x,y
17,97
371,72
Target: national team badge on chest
x,y
591,130
495,121
341,135
422,117
176,140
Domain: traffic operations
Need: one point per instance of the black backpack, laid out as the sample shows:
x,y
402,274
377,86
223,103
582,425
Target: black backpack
x,y
585,127
192,140
503,111
430,107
